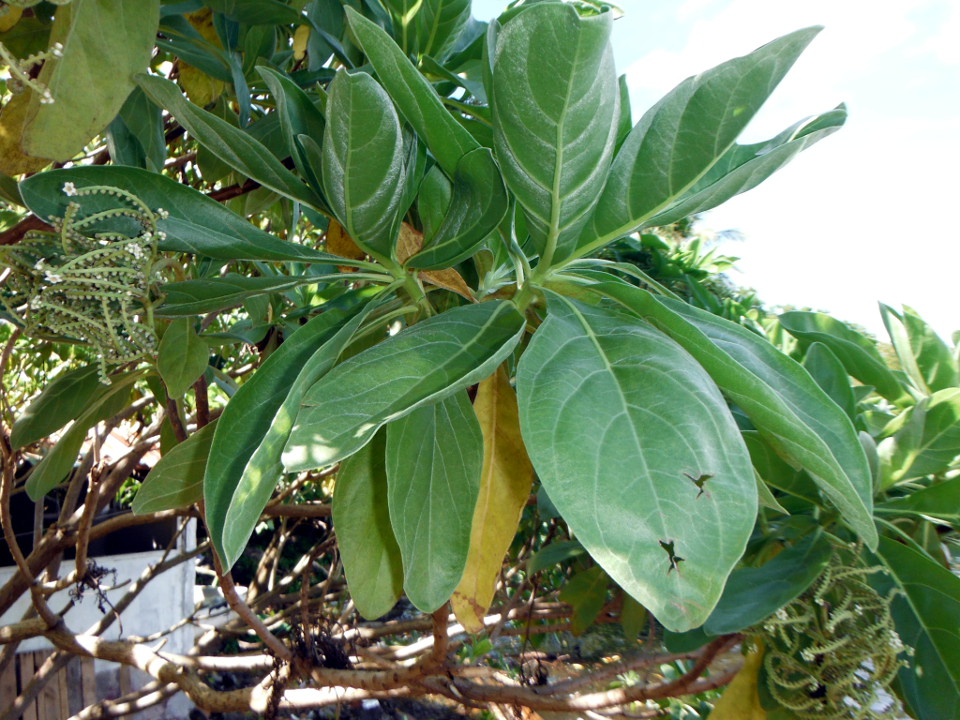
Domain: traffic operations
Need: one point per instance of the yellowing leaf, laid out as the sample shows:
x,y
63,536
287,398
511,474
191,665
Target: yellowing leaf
x,y
410,243
339,243
300,38
504,488
740,700
9,16
104,44
200,87
13,161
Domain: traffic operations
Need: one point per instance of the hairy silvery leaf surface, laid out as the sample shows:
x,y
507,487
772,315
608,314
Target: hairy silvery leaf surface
x,y
363,170
639,453
555,105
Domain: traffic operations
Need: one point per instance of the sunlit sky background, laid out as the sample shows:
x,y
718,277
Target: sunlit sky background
x,y
870,213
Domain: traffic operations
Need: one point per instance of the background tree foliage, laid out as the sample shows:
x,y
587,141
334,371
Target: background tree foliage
x,y
410,305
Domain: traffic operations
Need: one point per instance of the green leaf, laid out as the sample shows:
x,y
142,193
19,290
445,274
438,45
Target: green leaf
x,y
182,357
245,458
927,616
478,203
434,457
57,404
828,372
678,141
743,167
753,594
441,22
421,365
138,129
858,354
940,500
176,481
554,554
363,161
777,472
641,456
298,116
365,539
785,404
926,358
256,12
586,592
414,97
193,297
57,463
232,145
196,223
928,442
633,618
555,105
94,75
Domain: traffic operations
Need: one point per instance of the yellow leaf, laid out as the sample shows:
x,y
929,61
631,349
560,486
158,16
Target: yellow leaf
x,y
504,488
410,243
13,161
740,700
200,87
300,38
9,16
339,243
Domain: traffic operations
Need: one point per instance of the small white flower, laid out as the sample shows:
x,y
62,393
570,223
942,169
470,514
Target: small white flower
x,y
40,265
46,98
57,50
163,213
69,189
135,250
52,277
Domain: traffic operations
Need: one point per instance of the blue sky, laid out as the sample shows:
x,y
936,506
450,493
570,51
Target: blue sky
x,y
867,215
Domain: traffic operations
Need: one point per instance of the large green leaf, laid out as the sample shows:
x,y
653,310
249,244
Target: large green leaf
x,y
413,95
925,358
678,141
639,453
777,394
94,75
743,167
365,539
57,404
555,102
828,372
234,146
363,161
858,354
176,481
754,594
940,500
193,297
196,223
59,461
927,616
928,441
244,463
441,23
434,458
299,115
182,357
477,205
421,365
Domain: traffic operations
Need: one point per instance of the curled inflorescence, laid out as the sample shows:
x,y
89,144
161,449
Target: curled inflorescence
x,y
833,652
21,76
87,285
